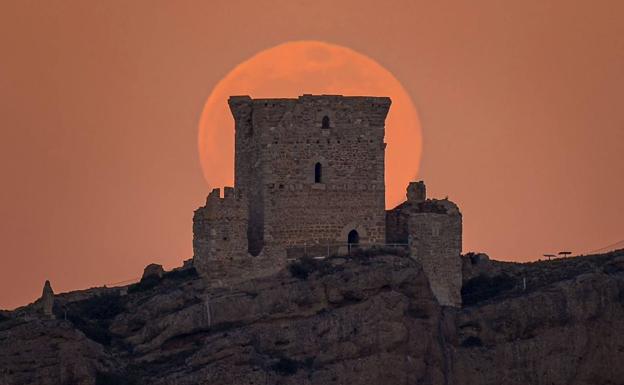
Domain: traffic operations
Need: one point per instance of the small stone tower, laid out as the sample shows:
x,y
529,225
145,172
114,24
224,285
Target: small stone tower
x,y
433,230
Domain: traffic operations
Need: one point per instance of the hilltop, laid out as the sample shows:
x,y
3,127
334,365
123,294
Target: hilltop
x,y
365,319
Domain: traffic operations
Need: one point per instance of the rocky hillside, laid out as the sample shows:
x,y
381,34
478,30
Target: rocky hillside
x,y
361,320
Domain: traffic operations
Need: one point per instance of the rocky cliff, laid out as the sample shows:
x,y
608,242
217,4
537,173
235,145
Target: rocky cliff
x,y
361,320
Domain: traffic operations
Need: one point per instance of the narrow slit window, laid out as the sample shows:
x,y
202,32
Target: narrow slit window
x,y
318,173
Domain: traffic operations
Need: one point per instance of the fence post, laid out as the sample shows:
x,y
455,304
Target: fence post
x,y
523,283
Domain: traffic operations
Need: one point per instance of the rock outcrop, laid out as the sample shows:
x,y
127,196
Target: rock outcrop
x,y
361,320
47,300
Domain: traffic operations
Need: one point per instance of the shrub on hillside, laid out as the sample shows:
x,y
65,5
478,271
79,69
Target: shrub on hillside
x,y
483,287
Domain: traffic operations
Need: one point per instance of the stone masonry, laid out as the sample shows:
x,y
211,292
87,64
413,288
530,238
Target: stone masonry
x,y
433,229
309,176
312,169
220,229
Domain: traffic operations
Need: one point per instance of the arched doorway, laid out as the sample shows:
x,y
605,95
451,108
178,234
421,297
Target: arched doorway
x,y
353,239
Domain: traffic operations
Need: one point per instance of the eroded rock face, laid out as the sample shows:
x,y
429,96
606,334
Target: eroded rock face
x,y
346,322
561,323
49,352
338,321
568,334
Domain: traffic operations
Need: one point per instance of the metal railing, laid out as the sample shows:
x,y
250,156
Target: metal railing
x,y
324,250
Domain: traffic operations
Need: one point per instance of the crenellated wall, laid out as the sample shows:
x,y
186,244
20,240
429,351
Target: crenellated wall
x,y
220,229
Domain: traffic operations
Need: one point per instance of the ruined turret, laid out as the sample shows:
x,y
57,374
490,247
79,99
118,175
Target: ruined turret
x,y
433,230
220,229
416,192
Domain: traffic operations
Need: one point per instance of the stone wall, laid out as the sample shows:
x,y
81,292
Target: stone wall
x,y
220,230
279,143
433,229
308,172
397,225
435,241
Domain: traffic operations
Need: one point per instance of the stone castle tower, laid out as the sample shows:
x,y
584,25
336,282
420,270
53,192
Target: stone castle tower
x,y
312,169
309,178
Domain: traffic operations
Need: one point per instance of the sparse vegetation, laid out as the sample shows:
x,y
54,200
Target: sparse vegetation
x,y
304,267
307,265
472,342
151,282
181,274
416,312
377,251
93,316
114,379
532,276
288,367
144,284
483,287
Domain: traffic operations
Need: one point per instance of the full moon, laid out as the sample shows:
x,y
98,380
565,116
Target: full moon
x,y
311,67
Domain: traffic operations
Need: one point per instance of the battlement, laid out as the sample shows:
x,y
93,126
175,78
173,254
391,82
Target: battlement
x,y
220,228
331,112
232,200
382,101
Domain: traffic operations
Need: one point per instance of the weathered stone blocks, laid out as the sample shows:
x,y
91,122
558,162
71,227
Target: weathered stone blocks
x,y
309,176
433,230
220,228
310,167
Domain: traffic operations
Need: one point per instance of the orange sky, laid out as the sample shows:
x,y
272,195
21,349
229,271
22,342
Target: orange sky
x,y
312,67
519,102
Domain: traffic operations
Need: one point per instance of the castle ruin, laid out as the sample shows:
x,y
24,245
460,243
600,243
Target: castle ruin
x,y
309,180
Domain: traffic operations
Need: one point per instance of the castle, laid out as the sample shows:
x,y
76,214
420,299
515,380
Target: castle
x,y
309,180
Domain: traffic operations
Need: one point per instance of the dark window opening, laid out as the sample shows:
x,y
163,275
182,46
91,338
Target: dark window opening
x,y
318,173
353,239
325,123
